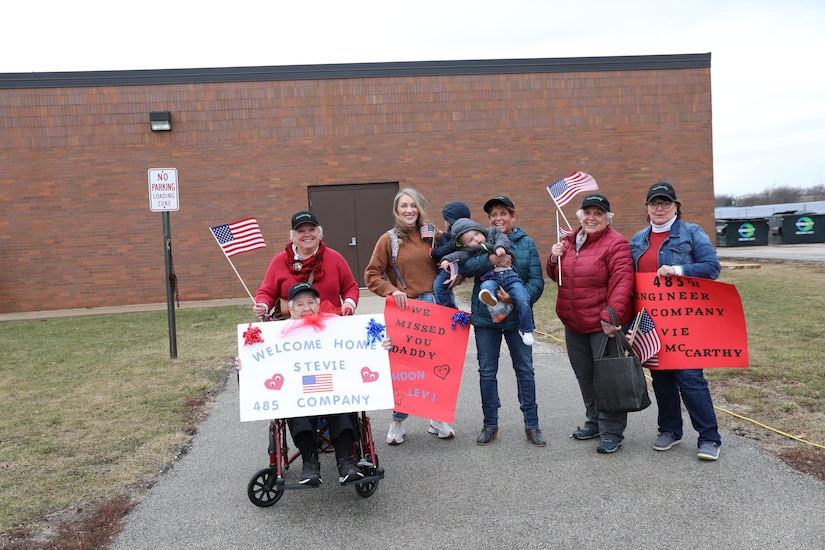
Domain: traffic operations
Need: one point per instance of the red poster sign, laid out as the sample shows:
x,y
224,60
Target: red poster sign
x,y
427,357
700,322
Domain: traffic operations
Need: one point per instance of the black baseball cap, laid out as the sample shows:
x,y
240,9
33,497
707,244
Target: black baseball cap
x,y
301,287
596,200
661,189
499,199
304,216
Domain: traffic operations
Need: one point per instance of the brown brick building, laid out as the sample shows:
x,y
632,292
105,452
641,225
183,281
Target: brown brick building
x,y
75,148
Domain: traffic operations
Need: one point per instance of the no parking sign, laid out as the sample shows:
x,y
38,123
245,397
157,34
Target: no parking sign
x,y
163,189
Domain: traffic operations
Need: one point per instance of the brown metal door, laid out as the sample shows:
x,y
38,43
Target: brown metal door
x,y
353,218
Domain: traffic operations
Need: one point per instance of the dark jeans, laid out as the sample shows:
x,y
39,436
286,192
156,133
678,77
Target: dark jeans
x,y
690,384
443,293
509,280
488,347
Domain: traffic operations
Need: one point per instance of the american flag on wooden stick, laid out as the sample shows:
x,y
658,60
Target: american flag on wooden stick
x,y
645,341
240,236
571,185
427,231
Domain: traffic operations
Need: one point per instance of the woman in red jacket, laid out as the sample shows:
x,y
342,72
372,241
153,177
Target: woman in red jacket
x,y
307,259
595,268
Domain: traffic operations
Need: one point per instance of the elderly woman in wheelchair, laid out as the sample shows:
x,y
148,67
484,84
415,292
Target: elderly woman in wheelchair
x,y
304,300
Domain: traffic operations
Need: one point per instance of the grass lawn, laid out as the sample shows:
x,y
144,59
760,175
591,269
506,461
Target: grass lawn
x,y
94,409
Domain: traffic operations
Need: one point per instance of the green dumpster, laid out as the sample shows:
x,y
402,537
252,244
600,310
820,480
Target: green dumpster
x,y
751,232
798,228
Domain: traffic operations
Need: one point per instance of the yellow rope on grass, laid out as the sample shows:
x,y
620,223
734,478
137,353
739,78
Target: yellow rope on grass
x,y
549,336
769,428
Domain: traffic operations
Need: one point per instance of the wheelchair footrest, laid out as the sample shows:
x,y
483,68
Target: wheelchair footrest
x,y
379,474
299,486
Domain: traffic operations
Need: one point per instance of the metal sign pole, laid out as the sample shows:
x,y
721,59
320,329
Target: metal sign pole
x,y
170,291
163,197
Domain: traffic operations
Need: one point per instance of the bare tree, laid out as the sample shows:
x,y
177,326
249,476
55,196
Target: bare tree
x,y
774,195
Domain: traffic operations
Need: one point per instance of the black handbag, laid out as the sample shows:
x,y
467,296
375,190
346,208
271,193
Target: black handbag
x,y
619,383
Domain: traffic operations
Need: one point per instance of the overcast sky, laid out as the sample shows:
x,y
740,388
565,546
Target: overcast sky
x,y
767,75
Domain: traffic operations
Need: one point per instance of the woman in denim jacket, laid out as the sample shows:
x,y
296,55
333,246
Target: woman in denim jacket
x,y
670,246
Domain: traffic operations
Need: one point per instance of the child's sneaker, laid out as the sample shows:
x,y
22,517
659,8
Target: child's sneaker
x,y
487,297
527,338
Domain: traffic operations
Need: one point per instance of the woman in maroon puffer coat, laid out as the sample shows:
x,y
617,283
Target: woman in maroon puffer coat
x,y
595,270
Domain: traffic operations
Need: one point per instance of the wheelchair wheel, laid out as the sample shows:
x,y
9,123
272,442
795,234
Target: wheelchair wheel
x,y
261,489
367,488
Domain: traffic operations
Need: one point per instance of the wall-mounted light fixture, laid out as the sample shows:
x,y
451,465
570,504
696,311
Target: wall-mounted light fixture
x,y
160,121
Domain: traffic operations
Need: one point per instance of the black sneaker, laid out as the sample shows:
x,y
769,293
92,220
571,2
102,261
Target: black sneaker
x,y
311,473
584,433
608,446
348,471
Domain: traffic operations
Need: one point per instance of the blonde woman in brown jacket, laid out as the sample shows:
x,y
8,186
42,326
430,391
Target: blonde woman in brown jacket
x,y
401,267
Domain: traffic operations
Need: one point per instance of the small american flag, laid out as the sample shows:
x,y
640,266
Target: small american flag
x,y
317,383
646,343
240,236
569,186
427,231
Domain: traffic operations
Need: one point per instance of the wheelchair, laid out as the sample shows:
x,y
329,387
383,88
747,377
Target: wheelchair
x,y
267,486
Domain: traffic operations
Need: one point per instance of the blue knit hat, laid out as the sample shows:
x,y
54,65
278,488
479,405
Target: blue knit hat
x,y
455,210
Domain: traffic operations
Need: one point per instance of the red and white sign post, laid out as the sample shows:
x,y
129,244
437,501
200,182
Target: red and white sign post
x,y
163,189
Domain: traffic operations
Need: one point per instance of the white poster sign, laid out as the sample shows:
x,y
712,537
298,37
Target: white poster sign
x,y
304,368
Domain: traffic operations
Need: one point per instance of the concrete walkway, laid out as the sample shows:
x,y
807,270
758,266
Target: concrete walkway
x,y
455,494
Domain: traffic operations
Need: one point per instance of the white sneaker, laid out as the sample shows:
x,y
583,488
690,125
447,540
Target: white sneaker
x,y
487,297
444,430
527,338
397,432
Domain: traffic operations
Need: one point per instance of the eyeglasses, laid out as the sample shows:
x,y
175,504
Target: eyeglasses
x,y
656,204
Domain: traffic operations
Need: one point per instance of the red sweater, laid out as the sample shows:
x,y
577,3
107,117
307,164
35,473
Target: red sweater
x,y
336,285
598,275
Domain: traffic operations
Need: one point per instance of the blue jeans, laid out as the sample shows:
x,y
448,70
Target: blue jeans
x,y
509,280
443,293
488,347
426,297
668,385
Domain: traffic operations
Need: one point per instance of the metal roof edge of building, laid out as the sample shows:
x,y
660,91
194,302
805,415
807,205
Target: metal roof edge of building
x,y
350,70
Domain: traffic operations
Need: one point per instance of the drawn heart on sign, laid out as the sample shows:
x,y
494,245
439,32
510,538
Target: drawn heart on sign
x,y
442,371
275,382
368,375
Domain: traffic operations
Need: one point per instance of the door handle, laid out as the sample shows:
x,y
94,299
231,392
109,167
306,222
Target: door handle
x,y
352,242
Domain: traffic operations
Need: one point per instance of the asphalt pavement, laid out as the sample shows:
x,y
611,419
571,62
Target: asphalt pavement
x,y
454,494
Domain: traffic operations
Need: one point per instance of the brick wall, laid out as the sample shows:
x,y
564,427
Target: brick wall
x,y
77,231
